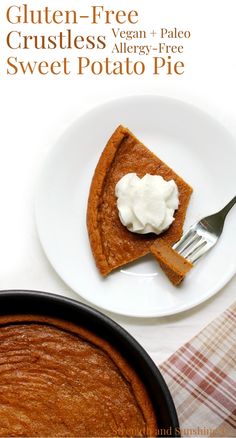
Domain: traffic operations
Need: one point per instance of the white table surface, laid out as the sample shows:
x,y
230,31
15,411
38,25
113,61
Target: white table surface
x,y
33,114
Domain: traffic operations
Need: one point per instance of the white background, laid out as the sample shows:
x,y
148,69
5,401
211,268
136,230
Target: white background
x,y
34,112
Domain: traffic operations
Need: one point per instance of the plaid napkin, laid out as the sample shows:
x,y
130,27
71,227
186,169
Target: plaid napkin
x,y
201,377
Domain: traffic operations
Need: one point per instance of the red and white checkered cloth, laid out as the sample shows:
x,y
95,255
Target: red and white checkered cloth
x,y
201,377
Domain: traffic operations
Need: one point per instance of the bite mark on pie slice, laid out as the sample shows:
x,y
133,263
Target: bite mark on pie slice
x,y
111,243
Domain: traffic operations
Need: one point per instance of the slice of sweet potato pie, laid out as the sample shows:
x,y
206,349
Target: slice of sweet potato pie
x,y
112,244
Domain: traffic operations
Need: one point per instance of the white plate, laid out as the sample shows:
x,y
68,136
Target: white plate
x,y
196,146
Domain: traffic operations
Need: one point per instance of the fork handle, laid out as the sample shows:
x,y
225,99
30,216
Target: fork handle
x,y
228,207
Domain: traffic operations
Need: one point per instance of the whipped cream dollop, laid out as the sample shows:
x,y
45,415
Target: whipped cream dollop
x,y
146,205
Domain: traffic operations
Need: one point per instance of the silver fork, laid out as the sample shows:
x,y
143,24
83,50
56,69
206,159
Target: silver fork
x,y
203,235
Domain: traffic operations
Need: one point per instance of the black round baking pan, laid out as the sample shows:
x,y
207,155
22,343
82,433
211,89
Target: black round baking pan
x,y
42,303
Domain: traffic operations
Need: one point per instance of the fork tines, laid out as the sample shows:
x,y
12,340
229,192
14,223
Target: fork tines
x,y
191,246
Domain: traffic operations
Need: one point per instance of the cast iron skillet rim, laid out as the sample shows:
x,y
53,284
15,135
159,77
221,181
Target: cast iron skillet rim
x,y
35,294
